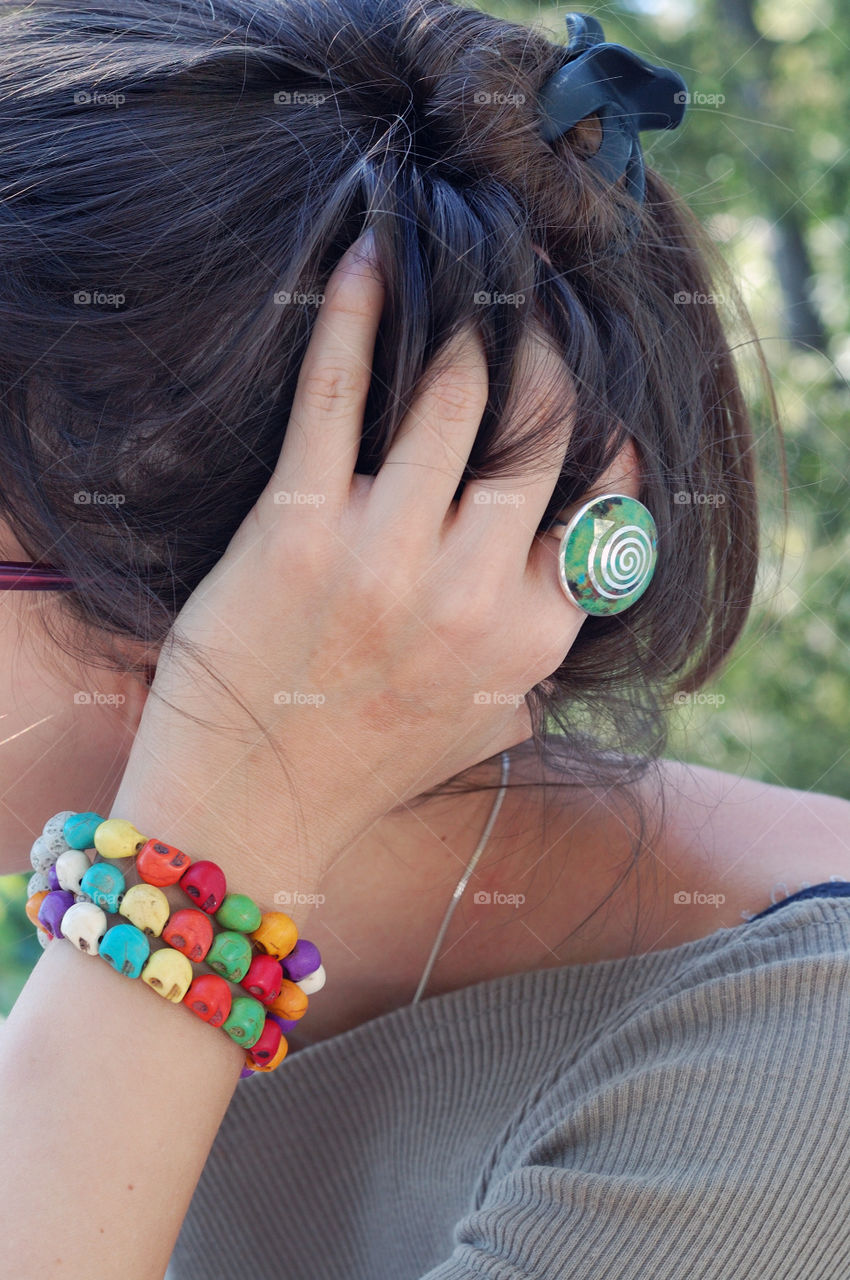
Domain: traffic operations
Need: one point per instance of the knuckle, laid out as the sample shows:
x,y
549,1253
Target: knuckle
x,y
330,389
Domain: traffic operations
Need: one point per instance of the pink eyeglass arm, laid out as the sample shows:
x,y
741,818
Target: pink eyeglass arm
x,y
19,575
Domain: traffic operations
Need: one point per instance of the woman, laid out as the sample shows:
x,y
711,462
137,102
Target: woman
x,y
308,336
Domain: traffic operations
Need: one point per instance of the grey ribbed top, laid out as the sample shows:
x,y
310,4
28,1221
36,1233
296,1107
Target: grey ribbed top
x,y
677,1115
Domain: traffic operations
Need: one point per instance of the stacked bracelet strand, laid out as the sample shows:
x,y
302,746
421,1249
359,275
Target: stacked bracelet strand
x,y
71,896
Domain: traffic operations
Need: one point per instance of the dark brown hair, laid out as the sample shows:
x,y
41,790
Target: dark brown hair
x,y
146,162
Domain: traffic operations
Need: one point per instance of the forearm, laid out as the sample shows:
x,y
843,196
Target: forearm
x,y
110,1100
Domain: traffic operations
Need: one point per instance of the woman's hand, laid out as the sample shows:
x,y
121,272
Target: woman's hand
x,y
357,619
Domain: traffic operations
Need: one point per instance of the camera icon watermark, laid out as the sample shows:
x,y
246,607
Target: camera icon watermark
x,y
498,497
98,298
293,498
698,99
284,98
83,98
292,898
483,98
698,499
683,898
92,497
287,698
87,698
684,296
682,698
284,299
487,897
482,298
496,697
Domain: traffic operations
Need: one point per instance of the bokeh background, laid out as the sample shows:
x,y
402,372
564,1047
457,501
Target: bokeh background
x,y
763,161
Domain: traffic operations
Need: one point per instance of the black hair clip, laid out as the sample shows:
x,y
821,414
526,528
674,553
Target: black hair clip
x,y
628,93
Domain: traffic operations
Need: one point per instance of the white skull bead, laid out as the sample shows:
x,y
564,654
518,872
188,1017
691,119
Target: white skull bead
x,y
310,984
53,832
85,924
37,883
71,866
45,851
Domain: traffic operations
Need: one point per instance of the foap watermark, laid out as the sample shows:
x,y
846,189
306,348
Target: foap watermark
x,y
498,498
295,698
94,498
284,299
286,98
685,898
485,99
696,498
493,898
699,99
96,98
684,296
293,498
89,698
483,298
682,698
496,697
293,898
98,298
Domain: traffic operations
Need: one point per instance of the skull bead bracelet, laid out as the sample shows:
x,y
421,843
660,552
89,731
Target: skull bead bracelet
x,y
70,896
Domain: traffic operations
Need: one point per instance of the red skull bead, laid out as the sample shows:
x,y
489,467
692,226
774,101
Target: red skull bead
x,y
209,997
205,882
263,979
189,931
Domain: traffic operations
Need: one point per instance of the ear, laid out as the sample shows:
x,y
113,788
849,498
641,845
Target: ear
x,y
623,475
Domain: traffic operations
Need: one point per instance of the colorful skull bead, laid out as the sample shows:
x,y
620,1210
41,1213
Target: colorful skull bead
x,y
160,863
189,931
147,908
126,948
79,828
238,911
303,959
265,1048
230,955
263,979
84,924
277,934
291,1002
209,997
169,973
105,885
117,838
205,884
246,1020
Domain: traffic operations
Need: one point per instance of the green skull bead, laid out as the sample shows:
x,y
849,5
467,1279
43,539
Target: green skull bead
x,y
230,955
246,1020
238,911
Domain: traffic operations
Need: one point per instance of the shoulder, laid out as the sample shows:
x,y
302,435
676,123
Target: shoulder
x,y
755,829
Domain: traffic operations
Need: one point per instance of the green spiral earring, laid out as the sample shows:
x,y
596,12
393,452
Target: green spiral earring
x,y
607,556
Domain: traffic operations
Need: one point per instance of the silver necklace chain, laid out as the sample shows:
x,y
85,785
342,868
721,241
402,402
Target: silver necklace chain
x,y
464,880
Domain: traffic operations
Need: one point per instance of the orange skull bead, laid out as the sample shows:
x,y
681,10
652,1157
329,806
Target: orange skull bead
x,y
189,931
277,934
161,864
291,1002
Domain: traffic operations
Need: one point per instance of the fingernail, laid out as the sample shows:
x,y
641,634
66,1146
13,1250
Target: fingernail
x,y
363,248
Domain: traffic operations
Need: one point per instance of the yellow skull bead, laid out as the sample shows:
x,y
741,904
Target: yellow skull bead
x,y
117,838
277,934
169,973
147,908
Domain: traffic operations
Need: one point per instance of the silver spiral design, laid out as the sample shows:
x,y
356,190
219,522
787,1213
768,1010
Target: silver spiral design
x,y
624,558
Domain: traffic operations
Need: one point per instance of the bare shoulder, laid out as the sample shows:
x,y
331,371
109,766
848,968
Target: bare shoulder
x,y
754,829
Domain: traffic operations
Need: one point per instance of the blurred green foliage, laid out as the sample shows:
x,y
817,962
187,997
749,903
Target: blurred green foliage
x,y
767,171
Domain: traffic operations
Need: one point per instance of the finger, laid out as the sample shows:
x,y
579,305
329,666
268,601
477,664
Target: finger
x,y
426,461
510,508
325,426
